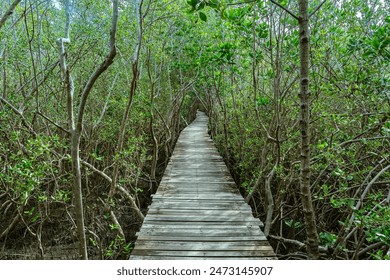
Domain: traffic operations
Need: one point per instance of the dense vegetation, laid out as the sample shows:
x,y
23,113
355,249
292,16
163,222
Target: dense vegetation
x,y
94,95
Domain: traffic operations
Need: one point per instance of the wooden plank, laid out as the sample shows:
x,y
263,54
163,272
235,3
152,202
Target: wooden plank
x,y
196,180
196,165
195,191
190,224
197,157
194,201
198,195
199,218
226,197
191,245
188,244
209,202
169,211
199,189
206,253
199,207
203,227
204,202
204,232
188,201
188,218
201,172
200,238
194,226
208,187
201,232
205,185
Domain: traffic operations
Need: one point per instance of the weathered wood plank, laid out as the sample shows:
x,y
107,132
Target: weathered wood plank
x,y
203,226
223,212
201,232
191,231
194,253
199,238
201,184
208,202
199,207
195,192
191,203
230,226
224,196
187,218
192,245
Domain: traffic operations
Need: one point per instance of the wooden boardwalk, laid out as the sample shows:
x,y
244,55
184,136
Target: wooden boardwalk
x,y
197,211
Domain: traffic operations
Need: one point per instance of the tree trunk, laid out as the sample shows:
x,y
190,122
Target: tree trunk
x,y
125,117
78,194
304,96
153,168
76,126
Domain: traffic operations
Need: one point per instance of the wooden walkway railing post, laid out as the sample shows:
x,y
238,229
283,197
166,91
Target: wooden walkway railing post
x,y
197,211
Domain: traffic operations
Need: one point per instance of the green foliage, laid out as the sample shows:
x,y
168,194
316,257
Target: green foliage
x,y
26,171
293,224
117,248
328,239
239,61
202,16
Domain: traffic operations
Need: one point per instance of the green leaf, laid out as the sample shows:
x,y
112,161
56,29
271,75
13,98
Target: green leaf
x,y
263,101
322,145
203,16
213,4
193,3
201,6
283,3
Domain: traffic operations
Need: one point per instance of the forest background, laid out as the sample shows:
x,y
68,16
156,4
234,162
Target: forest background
x,y
95,93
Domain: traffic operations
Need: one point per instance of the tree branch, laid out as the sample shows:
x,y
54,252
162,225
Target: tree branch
x,y
93,168
103,67
240,3
316,9
109,180
368,187
287,10
362,139
20,114
370,247
300,244
8,13
10,227
53,122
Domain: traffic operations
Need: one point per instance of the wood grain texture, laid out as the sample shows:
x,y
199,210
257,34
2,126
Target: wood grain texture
x,y
197,211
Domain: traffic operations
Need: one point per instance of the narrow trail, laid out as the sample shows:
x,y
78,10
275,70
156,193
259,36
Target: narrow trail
x,y
197,211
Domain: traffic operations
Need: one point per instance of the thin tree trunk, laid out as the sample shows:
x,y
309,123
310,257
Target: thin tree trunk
x,y
77,126
304,96
153,168
125,117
